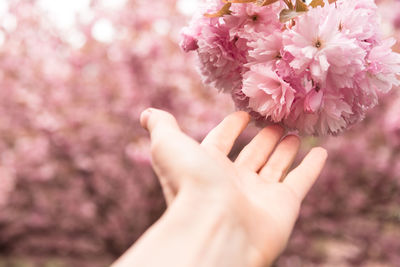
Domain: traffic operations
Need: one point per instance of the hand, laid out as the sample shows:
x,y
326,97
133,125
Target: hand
x,y
256,190
222,213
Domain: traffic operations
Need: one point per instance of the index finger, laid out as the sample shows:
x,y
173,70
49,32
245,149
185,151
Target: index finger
x,y
225,134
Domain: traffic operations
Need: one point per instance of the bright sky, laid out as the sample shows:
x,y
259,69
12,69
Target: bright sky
x,y
63,13
187,7
3,7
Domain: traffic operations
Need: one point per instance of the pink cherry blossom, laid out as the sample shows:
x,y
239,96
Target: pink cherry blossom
x,y
384,66
221,57
317,45
333,57
268,94
266,49
249,19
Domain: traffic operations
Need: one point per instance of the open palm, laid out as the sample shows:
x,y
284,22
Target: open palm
x,y
255,187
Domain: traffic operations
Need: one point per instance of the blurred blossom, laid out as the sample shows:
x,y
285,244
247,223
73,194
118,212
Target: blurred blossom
x,y
76,181
75,166
112,3
63,12
103,31
187,7
392,123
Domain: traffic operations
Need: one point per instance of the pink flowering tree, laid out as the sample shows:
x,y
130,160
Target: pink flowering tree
x,y
76,183
75,175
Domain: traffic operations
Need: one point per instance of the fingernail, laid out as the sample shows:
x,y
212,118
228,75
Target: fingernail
x,y
144,117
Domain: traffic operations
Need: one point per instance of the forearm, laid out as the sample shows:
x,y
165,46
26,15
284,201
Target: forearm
x,y
204,235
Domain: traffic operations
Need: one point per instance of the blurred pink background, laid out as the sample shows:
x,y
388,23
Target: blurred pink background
x,y
76,186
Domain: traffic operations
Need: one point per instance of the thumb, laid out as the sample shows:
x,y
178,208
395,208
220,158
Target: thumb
x,y
158,122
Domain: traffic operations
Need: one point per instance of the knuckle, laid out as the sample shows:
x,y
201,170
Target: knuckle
x,y
169,117
294,139
275,173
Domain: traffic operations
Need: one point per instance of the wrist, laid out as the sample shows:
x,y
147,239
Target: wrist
x,y
198,233
216,228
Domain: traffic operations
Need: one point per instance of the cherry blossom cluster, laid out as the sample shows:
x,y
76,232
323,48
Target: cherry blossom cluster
x,y
316,68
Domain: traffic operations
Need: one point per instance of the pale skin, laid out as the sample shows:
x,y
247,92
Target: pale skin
x,y
223,213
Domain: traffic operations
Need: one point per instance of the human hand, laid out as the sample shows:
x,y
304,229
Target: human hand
x,y
254,189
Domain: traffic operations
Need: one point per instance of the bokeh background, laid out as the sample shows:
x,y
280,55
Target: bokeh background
x,y
76,186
